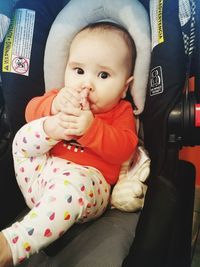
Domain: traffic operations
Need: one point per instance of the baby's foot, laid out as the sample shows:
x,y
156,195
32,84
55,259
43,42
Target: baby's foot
x,y
84,104
5,253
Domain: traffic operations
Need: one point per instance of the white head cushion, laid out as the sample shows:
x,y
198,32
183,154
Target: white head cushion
x,y
77,14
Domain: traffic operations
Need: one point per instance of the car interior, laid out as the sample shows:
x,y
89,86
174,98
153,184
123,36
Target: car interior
x,y
159,233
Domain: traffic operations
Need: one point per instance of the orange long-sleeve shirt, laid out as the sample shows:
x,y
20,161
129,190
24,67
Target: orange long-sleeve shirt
x,y
109,141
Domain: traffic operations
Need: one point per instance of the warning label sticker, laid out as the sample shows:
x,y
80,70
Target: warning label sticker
x,y
156,10
18,42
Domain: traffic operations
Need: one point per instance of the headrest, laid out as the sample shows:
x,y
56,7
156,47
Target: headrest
x,y
5,13
77,14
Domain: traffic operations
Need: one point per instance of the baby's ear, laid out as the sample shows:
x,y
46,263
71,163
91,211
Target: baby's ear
x,y
127,85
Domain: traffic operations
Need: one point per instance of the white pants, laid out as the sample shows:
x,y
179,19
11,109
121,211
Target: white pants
x,y
58,192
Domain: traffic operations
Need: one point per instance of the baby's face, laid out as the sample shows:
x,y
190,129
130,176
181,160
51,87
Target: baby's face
x,y
98,61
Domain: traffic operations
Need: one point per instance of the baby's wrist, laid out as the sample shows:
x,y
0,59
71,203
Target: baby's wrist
x,y
49,128
54,110
46,127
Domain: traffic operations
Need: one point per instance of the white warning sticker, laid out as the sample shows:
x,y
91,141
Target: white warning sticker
x,y
156,15
18,42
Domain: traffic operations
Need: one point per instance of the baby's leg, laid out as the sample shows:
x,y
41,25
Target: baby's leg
x,y
30,157
30,154
72,194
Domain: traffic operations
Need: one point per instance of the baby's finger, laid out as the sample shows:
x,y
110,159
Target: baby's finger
x,y
73,96
69,118
68,125
70,110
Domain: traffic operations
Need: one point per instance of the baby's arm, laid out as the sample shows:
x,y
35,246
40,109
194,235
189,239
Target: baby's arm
x,y
114,140
40,106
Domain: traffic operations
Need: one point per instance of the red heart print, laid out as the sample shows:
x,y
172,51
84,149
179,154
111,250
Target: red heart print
x,y
91,194
15,239
37,135
52,216
47,233
66,173
82,188
21,169
81,201
27,247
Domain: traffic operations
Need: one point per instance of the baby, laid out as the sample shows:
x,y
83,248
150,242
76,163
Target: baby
x,y
70,152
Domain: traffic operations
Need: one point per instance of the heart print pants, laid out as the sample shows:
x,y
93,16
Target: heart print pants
x,y
59,193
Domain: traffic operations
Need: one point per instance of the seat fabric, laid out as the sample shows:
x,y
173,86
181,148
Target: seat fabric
x,y
103,243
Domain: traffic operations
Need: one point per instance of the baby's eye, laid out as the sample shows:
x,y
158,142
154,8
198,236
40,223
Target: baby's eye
x,y
79,71
104,75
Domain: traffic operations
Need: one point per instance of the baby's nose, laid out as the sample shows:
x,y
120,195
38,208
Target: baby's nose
x,y
88,87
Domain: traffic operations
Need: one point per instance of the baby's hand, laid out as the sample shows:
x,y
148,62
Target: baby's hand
x,y
52,127
71,114
66,97
76,121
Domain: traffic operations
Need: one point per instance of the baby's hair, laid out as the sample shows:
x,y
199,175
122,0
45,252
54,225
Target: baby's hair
x,y
107,25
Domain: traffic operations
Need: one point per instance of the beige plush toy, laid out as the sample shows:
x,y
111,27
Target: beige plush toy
x,y
129,192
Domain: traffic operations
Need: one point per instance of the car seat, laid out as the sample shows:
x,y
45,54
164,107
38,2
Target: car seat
x,y
159,235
